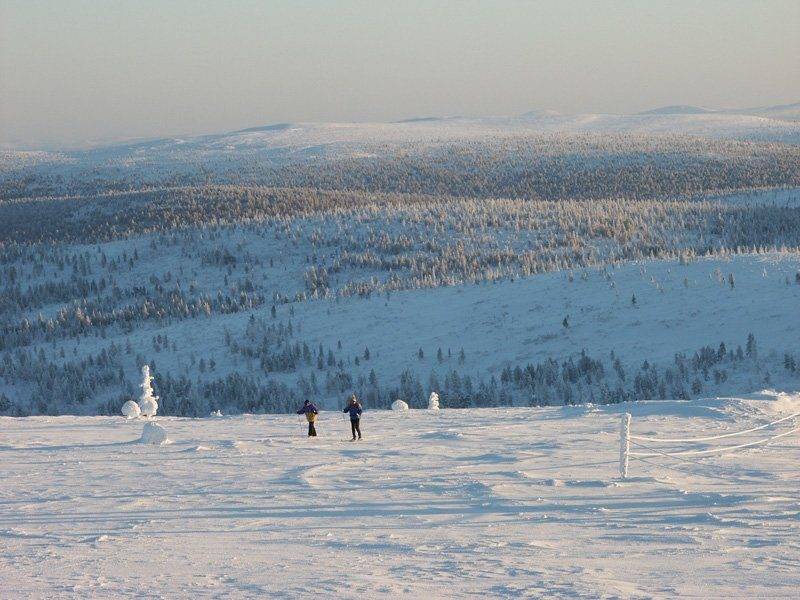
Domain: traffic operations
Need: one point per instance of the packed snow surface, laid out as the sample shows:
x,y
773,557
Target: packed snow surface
x,y
509,502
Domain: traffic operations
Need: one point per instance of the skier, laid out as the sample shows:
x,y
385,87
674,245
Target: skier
x,y
311,412
354,408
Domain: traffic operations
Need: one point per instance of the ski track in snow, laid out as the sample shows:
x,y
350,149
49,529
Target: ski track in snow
x,y
511,502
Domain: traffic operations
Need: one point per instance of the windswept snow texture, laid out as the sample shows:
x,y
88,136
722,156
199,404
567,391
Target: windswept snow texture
x,y
497,502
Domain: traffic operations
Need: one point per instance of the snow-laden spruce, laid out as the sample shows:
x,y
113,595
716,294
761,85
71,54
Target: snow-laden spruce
x,y
148,403
153,434
399,405
433,401
131,410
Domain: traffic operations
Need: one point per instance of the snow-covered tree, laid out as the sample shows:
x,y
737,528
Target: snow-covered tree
x,y
131,410
148,403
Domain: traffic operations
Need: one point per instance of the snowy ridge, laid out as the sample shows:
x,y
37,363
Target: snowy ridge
x,y
745,124
530,156
680,109
336,140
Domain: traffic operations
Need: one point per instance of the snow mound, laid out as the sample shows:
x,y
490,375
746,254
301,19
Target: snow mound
x,y
781,402
216,413
433,401
766,404
200,448
153,434
131,410
399,405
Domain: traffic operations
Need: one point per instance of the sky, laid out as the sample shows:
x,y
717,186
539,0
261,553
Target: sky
x,y
74,72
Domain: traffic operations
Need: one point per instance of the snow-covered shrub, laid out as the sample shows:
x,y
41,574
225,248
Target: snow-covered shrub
x,y
131,410
433,401
153,434
216,413
399,405
148,403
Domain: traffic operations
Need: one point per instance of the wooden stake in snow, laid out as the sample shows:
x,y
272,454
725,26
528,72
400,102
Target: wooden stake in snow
x,y
624,444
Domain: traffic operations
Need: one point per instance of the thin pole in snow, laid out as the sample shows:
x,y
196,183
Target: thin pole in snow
x,y
624,444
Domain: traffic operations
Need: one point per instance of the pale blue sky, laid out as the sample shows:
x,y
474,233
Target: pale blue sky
x,y
77,70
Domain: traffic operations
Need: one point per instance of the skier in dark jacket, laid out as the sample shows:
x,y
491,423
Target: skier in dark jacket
x,y
354,408
311,412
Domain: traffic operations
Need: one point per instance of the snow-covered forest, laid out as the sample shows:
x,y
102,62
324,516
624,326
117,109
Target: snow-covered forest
x,y
480,270
473,162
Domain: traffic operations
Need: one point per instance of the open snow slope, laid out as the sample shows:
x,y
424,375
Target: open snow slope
x,y
679,308
505,502
506,324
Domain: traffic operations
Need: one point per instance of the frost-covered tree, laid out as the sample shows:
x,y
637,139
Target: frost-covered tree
x,y
751,348
148,402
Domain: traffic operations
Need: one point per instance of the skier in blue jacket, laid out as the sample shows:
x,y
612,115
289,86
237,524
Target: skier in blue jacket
x,y
354,408
311,412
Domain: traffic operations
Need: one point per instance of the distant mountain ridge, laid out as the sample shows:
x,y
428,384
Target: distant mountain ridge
x,y
789,112
779,123
678,109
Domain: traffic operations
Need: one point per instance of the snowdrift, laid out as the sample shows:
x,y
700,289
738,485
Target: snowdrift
x,y
153,434
399,405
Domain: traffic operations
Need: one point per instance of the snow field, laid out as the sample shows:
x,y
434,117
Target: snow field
x,y
503,502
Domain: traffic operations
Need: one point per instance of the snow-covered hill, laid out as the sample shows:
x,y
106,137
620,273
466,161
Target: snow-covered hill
x,y
539,154
766,123
787,112
495,502
636,314
783,112
678,109
283,142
